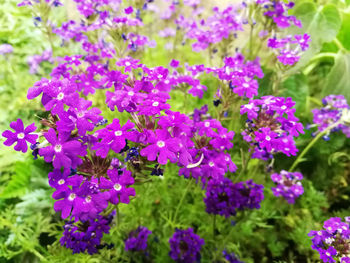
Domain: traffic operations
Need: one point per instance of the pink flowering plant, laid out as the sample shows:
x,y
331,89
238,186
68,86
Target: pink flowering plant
x,y
170,131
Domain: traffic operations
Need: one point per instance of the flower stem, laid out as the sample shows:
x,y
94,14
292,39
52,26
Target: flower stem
x,y
182,198
311,143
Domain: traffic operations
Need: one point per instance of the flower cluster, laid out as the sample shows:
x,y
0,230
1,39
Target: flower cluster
x,y
5,49
332,243
290,48
137,240
221,25
185,246
278,12
271,126
224,197
35,61
288,185
334,116
86,236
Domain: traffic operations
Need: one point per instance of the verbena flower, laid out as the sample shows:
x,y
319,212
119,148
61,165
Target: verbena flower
x,y
137,239
118,185
85,236
290,48
288,185
271,126
278,12
63,151
223,197
185,246
20,136
231,257
332,243
335,114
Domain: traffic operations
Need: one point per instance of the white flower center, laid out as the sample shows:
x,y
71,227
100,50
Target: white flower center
x,y
117,187
166,81
88,199
20,135
268,138
60,96
72,196
81,114
127,63
58,148
249,106
284,107
211,164
160,144
245,85
207,124
155,104
131,93
60,182
328,254
154,91
118,133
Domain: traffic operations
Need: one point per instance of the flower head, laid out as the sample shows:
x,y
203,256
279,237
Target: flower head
x,y
20,136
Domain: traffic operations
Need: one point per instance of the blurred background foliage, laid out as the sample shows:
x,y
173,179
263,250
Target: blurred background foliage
x,y
30,229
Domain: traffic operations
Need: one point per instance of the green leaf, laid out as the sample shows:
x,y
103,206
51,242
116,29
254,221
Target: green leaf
x,y
296,87
322,24
344,32
19,181
338,80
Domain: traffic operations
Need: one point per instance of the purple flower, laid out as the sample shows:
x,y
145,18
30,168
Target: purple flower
x,y
335,113
118,185
231,257
86,236
5,49
290,49
288,185
20,136
271,126
327,255
224,197
129,10
62,151
185,246
114,137
137,239
161,145
265,138
329,243
80,198
221,198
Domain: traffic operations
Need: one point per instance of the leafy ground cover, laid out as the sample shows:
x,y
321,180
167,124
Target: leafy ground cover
x,y
174,131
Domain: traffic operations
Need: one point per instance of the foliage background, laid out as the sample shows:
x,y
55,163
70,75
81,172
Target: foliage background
x,y
30,229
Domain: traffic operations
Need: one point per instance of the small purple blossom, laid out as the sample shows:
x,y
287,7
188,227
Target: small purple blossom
x,y
332,242
288,185
118,185
185,246
20,136
137,239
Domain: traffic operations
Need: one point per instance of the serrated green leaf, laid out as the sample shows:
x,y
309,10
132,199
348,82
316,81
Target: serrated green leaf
x,y
19,181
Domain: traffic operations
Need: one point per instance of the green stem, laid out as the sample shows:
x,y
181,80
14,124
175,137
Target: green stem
x,y
338,44
324,55
214,228
309,146
182,199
